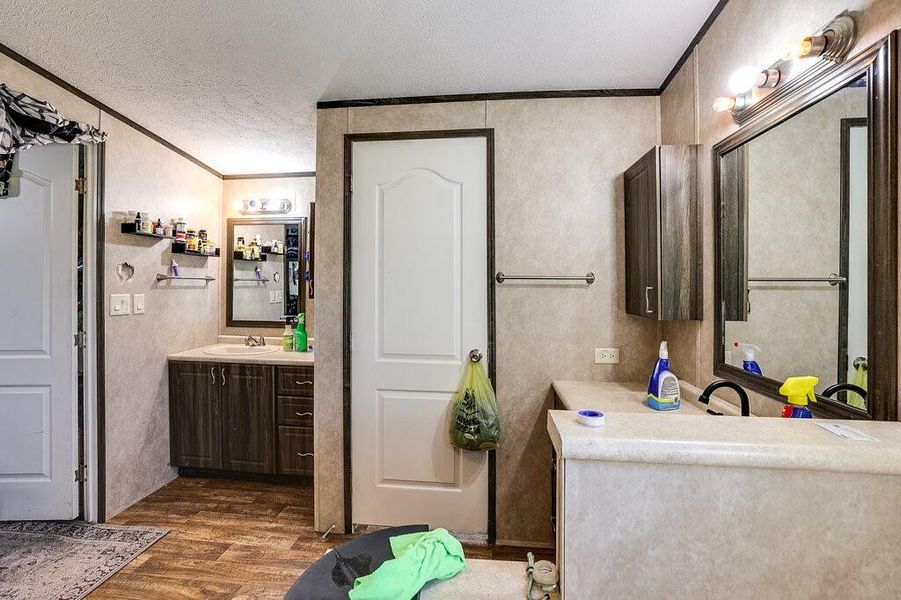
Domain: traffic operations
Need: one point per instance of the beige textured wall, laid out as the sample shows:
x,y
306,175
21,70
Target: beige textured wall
x,y
558,197
301,191
747,32
143,175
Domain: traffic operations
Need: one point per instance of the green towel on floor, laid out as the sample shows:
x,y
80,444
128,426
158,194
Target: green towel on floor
x,y
418,559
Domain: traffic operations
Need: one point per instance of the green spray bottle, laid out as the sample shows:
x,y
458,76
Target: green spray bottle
x,y
300,334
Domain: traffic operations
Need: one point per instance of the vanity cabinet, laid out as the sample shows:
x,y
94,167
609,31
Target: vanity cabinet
x,y
241,417
663,235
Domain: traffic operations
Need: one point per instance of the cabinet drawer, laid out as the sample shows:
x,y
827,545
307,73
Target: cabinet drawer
x,y
295,450
295,411
295,381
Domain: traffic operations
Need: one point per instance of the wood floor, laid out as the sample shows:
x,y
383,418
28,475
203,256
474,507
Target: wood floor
x,y
231,540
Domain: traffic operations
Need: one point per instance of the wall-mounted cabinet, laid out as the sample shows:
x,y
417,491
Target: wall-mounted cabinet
x,y
663,235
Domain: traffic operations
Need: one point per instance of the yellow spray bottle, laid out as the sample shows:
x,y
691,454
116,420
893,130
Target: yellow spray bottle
x,y
798,390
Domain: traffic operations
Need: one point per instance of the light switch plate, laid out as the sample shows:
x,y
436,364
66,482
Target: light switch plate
x,y
138,304
606,356
119,304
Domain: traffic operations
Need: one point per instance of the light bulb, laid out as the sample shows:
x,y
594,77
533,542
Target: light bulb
x,y
744,79
724,103
806,47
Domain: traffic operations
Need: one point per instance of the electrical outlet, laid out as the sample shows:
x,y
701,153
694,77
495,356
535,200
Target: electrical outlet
x,y
606,356
119,304
137,304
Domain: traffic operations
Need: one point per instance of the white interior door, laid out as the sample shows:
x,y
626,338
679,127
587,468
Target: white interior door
x,y
419,296
38,451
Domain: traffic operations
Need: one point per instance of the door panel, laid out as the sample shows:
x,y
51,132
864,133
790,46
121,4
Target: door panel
x,y
38,394
419,304
249,418
195,414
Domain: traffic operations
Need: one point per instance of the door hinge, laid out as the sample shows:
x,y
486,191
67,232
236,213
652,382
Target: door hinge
x,y
81,473
80,185
80,339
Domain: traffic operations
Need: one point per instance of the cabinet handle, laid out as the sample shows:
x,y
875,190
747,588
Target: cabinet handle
x,y
213,375
305,414
303,383
304,454
223,375
647,300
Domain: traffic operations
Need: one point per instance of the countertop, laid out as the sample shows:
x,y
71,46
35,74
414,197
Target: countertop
x,y
759,442
610,396
279,357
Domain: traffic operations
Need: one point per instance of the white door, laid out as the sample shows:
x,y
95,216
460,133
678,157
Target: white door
x,y
419,296
38,451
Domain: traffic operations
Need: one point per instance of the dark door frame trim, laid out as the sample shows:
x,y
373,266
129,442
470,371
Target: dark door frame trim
x,y
100,333
879,64
349,140
844,241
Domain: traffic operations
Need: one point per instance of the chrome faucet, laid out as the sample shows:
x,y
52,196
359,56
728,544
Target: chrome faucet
x,y
742,396
251,341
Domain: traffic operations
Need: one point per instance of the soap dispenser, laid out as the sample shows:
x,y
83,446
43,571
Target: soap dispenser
x,y
288,336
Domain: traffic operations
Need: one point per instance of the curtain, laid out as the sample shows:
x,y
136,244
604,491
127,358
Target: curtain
x,y
27,122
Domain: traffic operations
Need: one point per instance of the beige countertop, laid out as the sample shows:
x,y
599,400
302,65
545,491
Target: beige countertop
x,y
761,442
279,357
610,396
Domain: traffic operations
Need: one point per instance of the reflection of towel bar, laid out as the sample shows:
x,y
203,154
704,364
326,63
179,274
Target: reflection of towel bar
x,y
832,280
161,277
263,280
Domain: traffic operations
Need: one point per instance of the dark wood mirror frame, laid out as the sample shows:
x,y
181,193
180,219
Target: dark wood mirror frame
x,y
879,64
230,271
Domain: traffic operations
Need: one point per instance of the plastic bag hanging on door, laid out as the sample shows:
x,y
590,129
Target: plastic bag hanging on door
x,y
474,424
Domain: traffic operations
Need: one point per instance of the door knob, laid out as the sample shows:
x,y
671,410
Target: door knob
x,y
475,355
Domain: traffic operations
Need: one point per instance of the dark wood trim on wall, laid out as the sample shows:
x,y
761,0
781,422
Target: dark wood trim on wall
x,y
6,50
879,64
100,334
349,139
693,44
270,175
601,93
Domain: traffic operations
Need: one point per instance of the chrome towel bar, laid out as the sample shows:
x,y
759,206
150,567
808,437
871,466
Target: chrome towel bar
x,y
161,277
587,278
261,280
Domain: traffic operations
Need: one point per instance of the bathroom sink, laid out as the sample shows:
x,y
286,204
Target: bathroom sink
x,y
236,350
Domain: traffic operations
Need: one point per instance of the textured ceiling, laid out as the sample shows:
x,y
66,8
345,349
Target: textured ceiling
x,y
235,82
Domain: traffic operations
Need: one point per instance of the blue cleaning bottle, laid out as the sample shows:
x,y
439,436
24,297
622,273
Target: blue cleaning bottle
x,y
798,390
750,363
663,387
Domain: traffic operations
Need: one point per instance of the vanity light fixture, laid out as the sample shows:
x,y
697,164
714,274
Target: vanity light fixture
x,y
252,206
747,78
832,44
730,103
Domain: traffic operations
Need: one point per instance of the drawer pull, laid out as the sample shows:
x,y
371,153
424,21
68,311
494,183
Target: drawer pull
x,y
303,383
304,454
304,414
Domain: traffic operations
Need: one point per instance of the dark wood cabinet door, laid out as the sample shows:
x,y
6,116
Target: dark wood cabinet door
x,y
295,450
248,406
195,415
641,191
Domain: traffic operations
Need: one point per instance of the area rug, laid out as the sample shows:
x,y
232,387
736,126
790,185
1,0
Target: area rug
x,y
65,560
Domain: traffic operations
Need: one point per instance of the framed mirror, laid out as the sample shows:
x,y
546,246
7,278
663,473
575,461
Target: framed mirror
x,y
266,277
806,238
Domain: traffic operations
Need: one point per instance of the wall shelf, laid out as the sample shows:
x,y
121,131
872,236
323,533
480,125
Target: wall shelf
x,y
183,249
238,255
131,229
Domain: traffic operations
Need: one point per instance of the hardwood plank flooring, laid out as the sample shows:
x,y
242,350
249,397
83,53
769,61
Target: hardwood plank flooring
x,y
232,540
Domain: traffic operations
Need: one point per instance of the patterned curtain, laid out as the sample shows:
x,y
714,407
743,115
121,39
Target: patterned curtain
x,y
27,122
